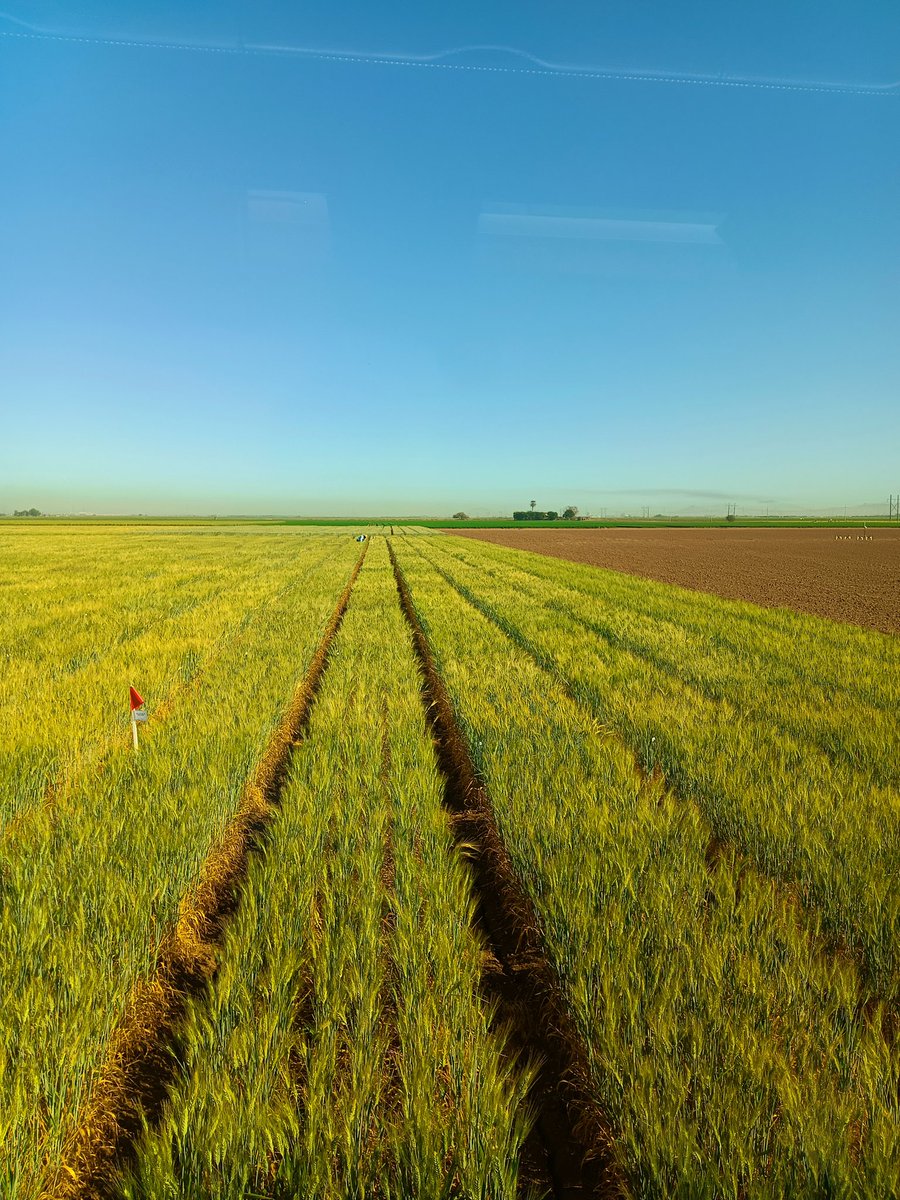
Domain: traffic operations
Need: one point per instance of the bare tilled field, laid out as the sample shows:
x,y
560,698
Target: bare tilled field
x,y
845,574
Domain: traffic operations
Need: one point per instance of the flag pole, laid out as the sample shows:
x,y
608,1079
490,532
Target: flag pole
x,y
134,735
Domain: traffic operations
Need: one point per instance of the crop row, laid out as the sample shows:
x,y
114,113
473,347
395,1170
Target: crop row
x,y
753,762
735,1055
345,1049
92,884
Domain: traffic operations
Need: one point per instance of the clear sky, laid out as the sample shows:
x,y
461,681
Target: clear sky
x,y
410,258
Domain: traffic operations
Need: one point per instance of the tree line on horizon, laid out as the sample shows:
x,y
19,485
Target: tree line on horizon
x,y
569,514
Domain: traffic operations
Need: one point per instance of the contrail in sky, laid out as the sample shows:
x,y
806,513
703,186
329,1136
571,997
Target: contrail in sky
x,y
524,62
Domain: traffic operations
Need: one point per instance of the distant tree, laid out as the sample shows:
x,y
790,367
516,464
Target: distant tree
x,y
731,517
551,516
532,503
460,516
570,513
27,512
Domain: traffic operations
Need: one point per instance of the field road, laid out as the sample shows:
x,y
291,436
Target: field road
x,y
844,574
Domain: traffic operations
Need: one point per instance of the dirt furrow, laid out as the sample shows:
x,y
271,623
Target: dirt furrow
x,y
142,1058
570,1148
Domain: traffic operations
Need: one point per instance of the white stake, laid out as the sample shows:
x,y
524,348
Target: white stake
x,y
134,731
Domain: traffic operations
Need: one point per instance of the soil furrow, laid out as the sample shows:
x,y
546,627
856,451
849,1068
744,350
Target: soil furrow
x,y
142,1060
570,1149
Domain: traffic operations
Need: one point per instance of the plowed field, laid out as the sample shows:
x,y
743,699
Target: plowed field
x,y
834,573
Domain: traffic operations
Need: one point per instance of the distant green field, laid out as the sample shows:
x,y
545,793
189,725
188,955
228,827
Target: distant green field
x,y
481,522
615,523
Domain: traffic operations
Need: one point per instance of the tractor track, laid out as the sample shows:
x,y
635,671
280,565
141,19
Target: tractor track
x,y
142,1060
569,1152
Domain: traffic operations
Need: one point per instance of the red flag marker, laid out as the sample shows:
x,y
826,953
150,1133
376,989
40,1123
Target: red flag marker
x,y
138,713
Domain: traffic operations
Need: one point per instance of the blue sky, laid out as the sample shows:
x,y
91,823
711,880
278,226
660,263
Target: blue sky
x,y
408,259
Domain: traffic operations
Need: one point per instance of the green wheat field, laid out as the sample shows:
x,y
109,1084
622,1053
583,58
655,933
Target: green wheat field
x,y
254,958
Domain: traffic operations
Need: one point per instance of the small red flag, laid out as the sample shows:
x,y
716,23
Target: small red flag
x,y
136,699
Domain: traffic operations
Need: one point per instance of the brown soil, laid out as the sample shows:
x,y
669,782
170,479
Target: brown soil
x,y
569,1152
844,574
